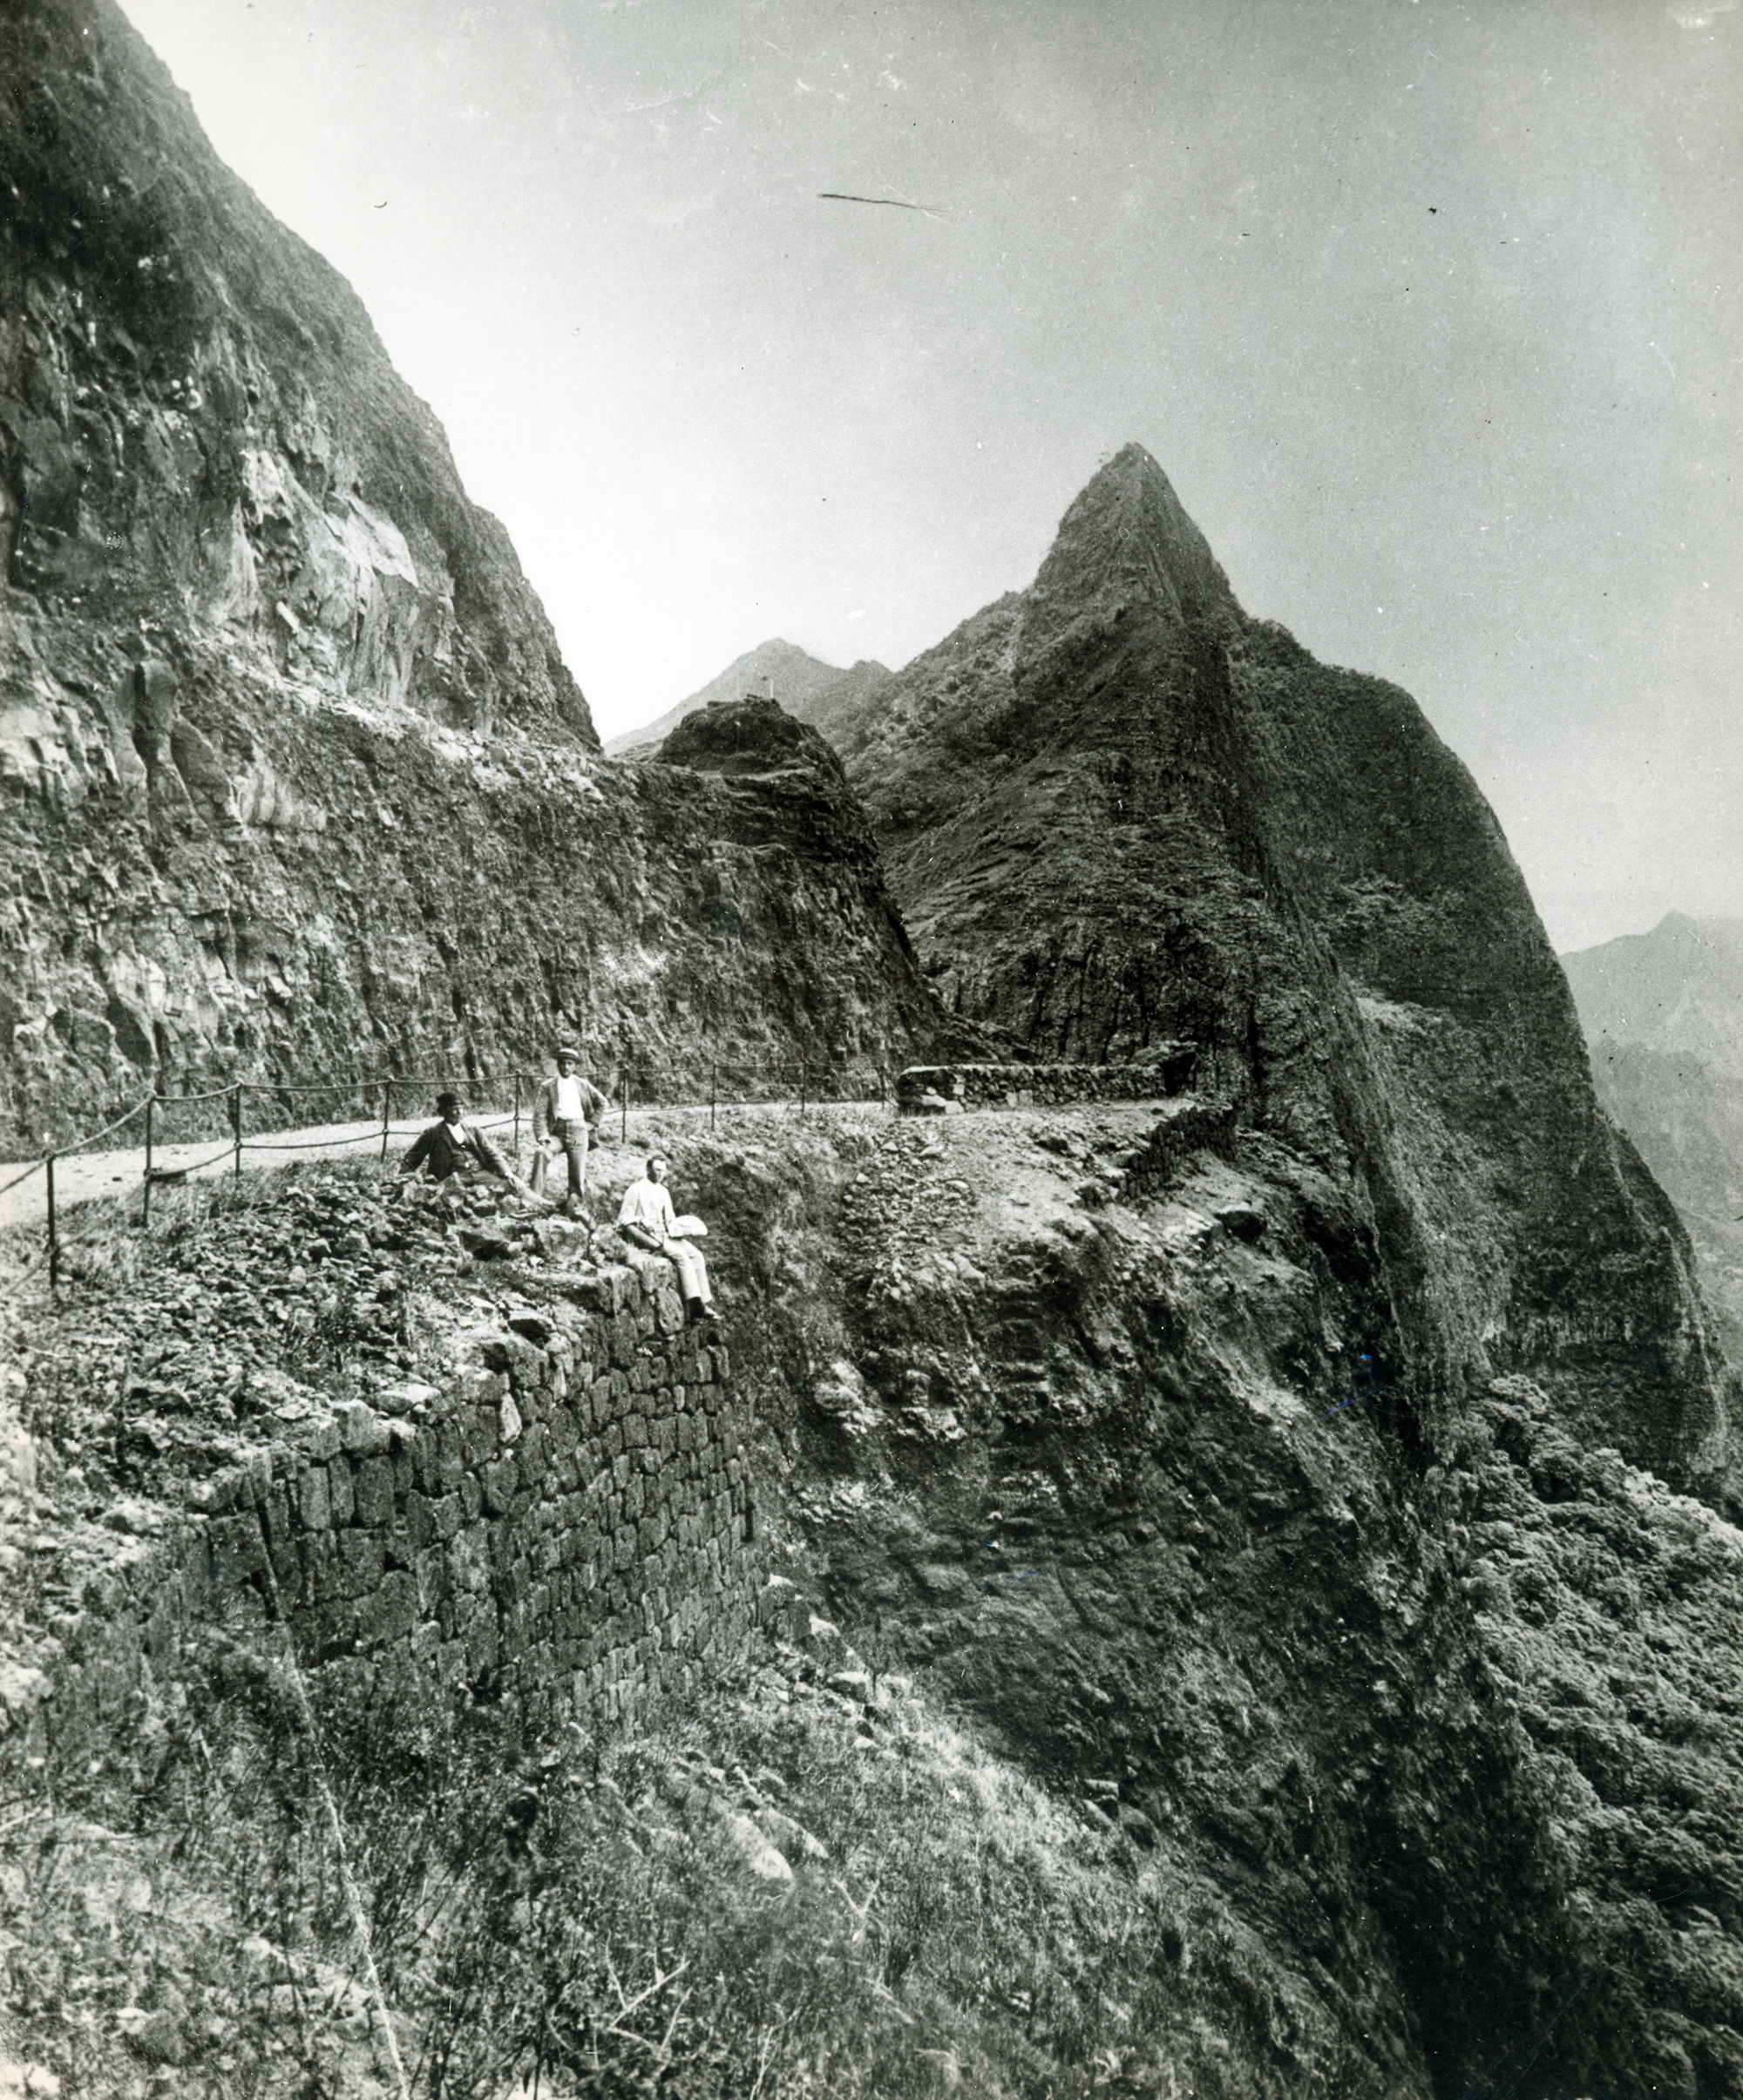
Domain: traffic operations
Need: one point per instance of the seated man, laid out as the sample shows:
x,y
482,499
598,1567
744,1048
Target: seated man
x,y
562,1109
645,1221
451,1147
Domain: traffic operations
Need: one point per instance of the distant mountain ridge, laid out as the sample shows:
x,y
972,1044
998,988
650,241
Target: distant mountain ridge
x,y
811,690
1662,1016
1678,988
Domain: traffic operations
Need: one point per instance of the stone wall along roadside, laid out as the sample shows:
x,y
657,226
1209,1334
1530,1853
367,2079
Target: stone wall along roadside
x,y
566,1524
936,1089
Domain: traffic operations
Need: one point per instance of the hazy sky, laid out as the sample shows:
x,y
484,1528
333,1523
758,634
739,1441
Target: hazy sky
x,y
1430,311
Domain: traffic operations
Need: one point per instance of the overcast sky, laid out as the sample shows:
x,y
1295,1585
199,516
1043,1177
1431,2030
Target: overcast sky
x,y
1429,311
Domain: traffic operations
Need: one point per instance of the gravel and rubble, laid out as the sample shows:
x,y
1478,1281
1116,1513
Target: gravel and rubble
x,y
247,1315
308,1386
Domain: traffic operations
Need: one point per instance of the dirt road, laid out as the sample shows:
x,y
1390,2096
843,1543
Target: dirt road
x,y
82,1177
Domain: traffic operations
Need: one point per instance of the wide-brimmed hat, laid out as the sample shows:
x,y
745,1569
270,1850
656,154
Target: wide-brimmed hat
x,y
447,1101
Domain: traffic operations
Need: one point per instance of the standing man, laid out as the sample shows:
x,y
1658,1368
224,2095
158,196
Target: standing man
x,y
561,1112
645,1221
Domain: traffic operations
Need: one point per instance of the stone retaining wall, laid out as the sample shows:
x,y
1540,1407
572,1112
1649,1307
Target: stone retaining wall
x,y
567,1524
1147,1172
932,1090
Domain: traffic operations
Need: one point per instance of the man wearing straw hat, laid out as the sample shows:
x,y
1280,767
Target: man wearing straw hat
x,y
562,1110
451,1147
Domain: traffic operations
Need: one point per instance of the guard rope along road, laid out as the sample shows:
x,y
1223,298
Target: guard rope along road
x,y
77,1172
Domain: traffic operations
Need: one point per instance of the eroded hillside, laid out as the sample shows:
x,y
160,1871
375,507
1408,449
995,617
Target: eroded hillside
x,y
1187,1595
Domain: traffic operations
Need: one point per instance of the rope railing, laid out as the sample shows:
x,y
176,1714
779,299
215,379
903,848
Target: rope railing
x,y
504,1098
18,1180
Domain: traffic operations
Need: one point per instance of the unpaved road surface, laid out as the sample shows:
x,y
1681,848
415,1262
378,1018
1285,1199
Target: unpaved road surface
x,y
82,1177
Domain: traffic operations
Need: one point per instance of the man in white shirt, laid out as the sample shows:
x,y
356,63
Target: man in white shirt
x,y
562,1111
646,1221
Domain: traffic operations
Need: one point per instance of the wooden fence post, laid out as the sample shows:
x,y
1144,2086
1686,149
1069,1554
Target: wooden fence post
x,y
623,1127
517,1115
387,1103
236,1125
145,1200
713,1091
54,1237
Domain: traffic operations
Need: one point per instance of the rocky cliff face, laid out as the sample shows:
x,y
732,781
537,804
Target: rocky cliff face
x,y
1205,1734
1118,811
293,780
1091,1419
201,429
1254,1473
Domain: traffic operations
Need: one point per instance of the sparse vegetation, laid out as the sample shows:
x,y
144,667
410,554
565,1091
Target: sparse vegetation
x,y
765,1893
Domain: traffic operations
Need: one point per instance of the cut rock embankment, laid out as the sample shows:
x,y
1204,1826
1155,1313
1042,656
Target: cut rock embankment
x,y
293,777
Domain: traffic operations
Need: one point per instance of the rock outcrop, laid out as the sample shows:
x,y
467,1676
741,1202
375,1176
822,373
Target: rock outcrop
x,y
293,780
1100,1436
1256,1470
1118,812
1281,1755
199,427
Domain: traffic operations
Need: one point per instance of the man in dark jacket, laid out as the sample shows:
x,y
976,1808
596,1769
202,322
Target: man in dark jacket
x,y
562,1110
453,1147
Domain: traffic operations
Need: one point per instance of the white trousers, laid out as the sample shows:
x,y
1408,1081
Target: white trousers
x,y
693,1275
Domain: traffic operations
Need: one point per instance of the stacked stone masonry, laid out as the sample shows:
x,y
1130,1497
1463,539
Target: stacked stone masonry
x,y
1145,1173
568,1525
929,1089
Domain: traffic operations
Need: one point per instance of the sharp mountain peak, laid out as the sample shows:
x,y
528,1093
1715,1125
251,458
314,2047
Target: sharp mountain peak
x,y
1127,536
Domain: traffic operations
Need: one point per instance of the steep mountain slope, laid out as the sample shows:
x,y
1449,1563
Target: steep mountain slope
x,y
1663,1015
804,687
1246,1476
1109,1447
293,779
1116,810
198,413
1203,1736
857,687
